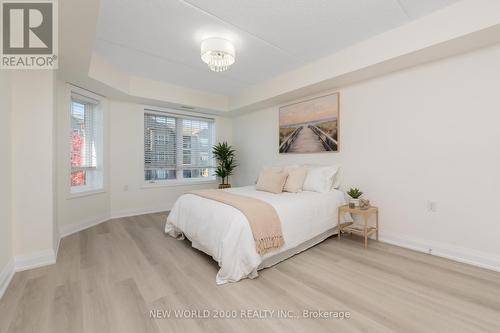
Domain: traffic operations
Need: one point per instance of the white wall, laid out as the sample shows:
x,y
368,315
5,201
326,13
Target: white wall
x,y
429,133
124,193
33,192
6,254
128,193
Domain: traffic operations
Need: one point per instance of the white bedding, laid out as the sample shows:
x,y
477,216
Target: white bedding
x,y
223,232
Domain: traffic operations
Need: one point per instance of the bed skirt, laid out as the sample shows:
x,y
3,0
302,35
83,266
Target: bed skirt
x,y
279,257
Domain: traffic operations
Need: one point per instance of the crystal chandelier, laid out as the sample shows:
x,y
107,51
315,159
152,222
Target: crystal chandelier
x,y
217,53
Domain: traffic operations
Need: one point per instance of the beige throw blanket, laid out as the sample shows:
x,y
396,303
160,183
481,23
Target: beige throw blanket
x,y
261,216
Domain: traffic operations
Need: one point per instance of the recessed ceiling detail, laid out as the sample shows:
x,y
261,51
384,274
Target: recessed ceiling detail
x,y
271,37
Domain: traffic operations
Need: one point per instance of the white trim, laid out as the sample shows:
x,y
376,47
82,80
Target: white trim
x,y
49,256
135,212
182,112
84,97
460,254
35,260
100,104
6,276
66,230
75,195
69,229
97,98
177,182
56,249
177,114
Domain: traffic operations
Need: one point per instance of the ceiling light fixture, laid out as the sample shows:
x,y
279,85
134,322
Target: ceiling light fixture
x,y
217,53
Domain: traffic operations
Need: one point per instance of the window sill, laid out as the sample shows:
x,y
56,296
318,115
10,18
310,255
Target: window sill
x,y
175,183
77,195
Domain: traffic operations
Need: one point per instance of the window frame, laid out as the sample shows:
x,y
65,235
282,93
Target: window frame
x,y
178,181
87,97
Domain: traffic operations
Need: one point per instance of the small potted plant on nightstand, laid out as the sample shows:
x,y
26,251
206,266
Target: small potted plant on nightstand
x,y
355,194
226,162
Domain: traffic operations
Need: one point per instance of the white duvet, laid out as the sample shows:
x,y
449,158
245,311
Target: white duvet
x,y
223,232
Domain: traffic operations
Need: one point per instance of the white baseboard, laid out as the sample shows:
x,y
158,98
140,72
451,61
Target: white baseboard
x,y
66,230
456,253
6,275
135,212
56,246
69,229
460,254
49,256
35,260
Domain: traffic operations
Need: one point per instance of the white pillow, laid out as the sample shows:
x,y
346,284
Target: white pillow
x,y
320,179
336,179
296,177
270,181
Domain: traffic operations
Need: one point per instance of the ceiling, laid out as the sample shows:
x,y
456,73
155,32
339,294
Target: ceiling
x,y
160,39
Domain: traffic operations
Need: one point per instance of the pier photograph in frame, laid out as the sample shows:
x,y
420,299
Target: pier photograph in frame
x,y
310,126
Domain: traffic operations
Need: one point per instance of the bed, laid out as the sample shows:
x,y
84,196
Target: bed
x,y
223,232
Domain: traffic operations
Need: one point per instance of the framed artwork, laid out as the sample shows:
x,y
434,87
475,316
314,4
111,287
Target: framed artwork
x,y
310,126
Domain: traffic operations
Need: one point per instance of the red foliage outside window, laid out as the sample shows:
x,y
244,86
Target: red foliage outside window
x,y
77,177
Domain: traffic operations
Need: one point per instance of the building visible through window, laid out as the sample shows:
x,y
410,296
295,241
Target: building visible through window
x,y
177,148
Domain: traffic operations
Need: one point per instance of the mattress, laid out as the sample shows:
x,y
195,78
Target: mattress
x,y
223,232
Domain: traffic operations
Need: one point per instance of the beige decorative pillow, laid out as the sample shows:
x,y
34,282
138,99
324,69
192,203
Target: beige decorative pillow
x,y
270,181
296,177
270,169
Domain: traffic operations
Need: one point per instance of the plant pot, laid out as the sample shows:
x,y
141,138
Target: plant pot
x,y
354,201
222,186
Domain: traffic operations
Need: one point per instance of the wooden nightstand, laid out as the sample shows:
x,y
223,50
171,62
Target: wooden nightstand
x,y
365,230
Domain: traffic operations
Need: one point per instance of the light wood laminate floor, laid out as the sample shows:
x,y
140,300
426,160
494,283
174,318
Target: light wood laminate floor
x,y
108,278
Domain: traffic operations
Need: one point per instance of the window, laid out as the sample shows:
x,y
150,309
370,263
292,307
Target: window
x,y
177,148
85,145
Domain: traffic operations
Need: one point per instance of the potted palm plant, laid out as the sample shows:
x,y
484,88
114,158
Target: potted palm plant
x,y
226,162
354,193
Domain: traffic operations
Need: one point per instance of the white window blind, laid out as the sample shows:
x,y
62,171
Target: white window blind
x,y
85,145
177,147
